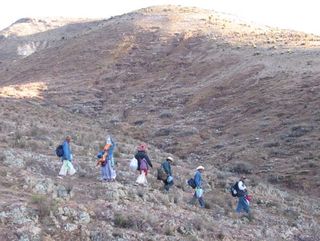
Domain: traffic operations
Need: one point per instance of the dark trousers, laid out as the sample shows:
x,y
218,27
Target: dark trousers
x,y
167,185
200,200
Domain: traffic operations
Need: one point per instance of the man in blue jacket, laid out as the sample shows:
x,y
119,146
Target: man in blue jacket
x,y
67,158
198,194
166,165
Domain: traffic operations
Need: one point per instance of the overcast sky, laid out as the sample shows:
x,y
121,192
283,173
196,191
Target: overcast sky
x,y
300,15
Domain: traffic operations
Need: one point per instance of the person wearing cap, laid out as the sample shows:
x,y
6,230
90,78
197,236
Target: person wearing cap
x,y
67,166
198,194
166,166
243,203
143,159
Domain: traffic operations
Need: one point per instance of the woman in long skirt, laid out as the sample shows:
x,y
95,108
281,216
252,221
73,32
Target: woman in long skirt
x,y
107,167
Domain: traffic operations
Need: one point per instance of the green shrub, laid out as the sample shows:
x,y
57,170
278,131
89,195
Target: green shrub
x,y
122,221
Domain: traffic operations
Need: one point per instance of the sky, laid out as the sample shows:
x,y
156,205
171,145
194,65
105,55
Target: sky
x,y
301,15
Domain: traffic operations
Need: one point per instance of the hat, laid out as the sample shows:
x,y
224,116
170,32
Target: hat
x,y
142,147
200,168
170,158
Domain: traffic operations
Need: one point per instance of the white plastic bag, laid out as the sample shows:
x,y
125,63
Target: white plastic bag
x,y
169,179
142,179
199,192
134,164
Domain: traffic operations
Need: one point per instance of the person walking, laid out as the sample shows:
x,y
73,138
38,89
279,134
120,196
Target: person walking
x,y
67,158
168,180
143,164
106,162
198,194
243,197
143,160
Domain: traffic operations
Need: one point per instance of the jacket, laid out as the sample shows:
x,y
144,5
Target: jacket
x,y
242,189
139,156
198,179
67,154
167,168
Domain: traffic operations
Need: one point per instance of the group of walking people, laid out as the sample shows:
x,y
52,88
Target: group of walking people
x,y
143,164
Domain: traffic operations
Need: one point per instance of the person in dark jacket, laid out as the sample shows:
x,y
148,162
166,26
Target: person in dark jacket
x,y
143,160
243,202
166,166
198,194
67,158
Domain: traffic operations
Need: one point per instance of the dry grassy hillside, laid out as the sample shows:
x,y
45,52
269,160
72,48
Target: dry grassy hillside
x,y
197,84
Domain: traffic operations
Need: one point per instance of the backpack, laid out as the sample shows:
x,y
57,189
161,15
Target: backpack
x,y
59,151
100,154
161,174
234,190
191,183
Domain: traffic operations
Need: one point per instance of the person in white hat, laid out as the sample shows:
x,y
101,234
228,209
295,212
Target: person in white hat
x,y
198,194
166,166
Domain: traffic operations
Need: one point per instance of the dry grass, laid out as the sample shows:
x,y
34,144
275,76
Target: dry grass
x,y
43,204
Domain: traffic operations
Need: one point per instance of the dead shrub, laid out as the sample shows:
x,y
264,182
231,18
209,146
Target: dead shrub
x,y
197,223
2,157
43,205
242,168
19,142
34,146
123,221
116,154
37,132
207,205
169,231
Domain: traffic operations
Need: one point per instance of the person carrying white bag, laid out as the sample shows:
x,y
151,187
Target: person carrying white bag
x,y
143,164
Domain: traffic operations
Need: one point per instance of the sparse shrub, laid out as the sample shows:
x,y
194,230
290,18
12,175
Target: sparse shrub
x,y
117,235
207,205
116,154
176,199
33,145
122,221
220,236
242,168
166,114
2,157
43,205
140,193
3,173
69,188
18,140
250,217
274,179
291,214
169,231
197,223
37,132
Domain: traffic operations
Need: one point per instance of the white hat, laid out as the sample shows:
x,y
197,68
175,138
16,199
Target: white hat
x,y
170,158
200,168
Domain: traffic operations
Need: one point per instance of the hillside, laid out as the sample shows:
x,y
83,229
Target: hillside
x,y
197,84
